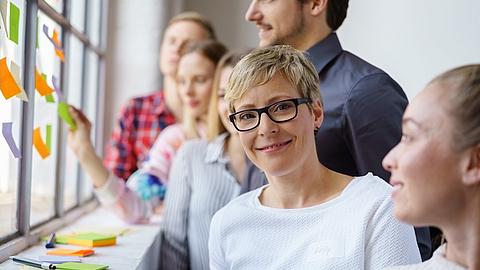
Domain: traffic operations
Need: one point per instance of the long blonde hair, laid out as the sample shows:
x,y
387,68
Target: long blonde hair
x,y
213,51
214,124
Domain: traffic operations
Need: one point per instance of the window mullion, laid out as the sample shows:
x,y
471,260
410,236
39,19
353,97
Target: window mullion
x,y
25,181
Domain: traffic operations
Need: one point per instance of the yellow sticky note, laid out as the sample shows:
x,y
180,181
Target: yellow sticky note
x,y
8,86
39,144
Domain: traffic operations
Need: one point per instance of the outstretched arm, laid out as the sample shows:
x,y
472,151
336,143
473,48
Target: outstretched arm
x,y
79,142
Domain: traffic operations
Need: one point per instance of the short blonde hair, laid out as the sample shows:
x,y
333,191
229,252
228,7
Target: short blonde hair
x,y
197,18
259,67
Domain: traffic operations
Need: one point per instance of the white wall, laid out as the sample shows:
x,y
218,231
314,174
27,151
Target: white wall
x,y
412,40
133,44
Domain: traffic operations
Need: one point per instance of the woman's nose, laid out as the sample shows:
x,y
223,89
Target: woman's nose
x,y
266,125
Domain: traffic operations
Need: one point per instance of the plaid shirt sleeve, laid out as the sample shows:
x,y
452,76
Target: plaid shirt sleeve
x,y
139,124
120,157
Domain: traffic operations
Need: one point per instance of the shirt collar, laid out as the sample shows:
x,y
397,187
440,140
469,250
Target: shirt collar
x,y
159,104
324,51
215,149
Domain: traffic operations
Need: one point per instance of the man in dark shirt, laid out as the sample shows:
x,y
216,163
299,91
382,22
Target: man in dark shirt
x,y
363,106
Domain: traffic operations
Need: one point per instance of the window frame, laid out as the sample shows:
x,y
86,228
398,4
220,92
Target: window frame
x,y
27,235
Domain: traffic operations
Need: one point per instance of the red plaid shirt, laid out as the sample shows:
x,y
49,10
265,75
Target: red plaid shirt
x,y
140,122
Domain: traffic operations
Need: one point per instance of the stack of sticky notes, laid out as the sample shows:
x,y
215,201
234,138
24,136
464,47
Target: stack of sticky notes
x,y
80,266
71,252
91,240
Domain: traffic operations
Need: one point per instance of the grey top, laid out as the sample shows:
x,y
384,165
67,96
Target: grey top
x,y
200,184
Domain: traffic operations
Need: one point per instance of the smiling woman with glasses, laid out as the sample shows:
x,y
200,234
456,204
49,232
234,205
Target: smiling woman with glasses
x,y
307,216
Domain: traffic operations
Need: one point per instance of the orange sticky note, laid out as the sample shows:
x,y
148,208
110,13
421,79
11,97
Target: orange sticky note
x,y
41,85
71,252
60,55
58,46
8,86
39,144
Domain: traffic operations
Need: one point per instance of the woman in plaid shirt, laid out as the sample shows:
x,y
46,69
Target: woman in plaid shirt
x,y
143,118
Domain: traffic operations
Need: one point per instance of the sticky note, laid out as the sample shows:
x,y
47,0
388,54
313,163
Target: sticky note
x,y
7,134
58,259
56,86
81,266
8,86
39,144
41,85
48,137
71,252
58,46
49,98
3,12
64,113
92,240
14,22
15,70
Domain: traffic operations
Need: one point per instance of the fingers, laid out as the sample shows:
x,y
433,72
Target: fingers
x,y
78,116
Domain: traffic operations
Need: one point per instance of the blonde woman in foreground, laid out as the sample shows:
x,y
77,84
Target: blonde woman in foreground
x,y
308,216
436,167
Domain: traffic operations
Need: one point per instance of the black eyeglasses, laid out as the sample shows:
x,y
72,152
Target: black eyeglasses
x,y
279,112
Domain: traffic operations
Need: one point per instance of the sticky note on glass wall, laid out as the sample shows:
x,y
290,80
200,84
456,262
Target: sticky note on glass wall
x,y
7,134
15,70
3,12
8,86
41,85
64,113
39,144
14,23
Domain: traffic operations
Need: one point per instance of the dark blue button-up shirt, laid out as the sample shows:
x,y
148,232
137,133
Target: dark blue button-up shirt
x,y
363,109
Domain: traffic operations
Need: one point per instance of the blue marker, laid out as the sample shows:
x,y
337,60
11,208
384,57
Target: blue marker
x,y
51,241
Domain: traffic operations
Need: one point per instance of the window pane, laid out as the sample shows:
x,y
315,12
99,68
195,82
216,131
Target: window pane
x,y
11,54
45,123
93,22
90,109
9,168
74,62
77,14
56,4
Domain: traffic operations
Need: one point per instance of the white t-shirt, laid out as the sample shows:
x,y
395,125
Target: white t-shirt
x,y
355,230
437,262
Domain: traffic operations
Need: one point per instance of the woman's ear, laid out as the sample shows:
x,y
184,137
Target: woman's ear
x,y
471,173
317,111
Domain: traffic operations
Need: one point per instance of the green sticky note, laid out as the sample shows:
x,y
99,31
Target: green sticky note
x,y
48,137
14,22
36,36
80,266
65,115
49,98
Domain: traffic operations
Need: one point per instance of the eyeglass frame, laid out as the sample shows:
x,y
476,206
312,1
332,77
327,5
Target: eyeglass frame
x,y
260,111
